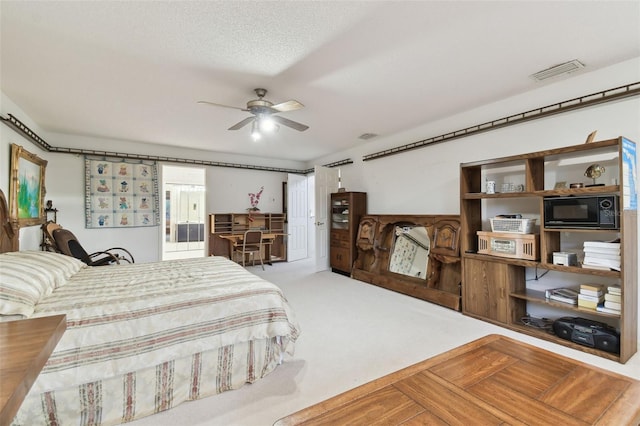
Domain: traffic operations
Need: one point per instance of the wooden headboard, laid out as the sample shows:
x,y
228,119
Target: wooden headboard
x,y
9,231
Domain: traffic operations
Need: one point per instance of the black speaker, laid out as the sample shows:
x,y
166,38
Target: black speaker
x,y
609,343
589,333
562,329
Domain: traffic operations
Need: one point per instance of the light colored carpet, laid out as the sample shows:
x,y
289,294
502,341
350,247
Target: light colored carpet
x,y
352,333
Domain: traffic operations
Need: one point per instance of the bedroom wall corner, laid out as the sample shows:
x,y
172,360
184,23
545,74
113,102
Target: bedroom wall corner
x,y
30,237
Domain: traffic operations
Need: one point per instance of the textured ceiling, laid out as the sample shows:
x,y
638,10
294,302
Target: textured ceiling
x,y
135,70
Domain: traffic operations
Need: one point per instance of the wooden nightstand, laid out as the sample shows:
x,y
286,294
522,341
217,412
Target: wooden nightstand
x,y
25,346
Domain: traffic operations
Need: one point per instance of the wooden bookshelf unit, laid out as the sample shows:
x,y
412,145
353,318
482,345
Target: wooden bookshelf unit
x,y
503,290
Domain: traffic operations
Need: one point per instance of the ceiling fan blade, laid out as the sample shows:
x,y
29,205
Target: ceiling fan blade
x,y
242,123
291,105
220,105
289,123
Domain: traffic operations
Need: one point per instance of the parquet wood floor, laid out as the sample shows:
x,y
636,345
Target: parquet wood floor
x,y
494,380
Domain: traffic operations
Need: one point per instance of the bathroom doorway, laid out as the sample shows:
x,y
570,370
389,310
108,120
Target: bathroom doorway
x,y
184,212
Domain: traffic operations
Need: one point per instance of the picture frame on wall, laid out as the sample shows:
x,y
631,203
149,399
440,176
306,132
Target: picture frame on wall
x,y
27,187
121,193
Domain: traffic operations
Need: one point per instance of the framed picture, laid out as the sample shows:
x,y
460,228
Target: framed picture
x,y
27,188
121,193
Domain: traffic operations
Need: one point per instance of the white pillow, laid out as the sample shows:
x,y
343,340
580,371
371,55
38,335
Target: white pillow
x,y
27,276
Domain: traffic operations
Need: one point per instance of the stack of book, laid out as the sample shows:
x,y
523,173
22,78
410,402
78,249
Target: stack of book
x,y
601,255
591,295
564,295
612,301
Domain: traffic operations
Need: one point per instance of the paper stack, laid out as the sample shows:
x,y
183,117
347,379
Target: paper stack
x,y
601,255
612,301
564,295
591,295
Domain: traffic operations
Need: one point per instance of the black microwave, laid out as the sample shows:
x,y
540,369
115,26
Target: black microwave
x,y
594,212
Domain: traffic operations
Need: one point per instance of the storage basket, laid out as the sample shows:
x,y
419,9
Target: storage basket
x,y
507,244
515,226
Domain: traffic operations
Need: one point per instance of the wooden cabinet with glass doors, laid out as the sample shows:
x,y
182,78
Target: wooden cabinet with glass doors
x,y
346,210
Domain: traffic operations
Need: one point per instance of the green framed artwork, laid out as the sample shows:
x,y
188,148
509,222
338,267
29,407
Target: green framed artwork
x,y
27,187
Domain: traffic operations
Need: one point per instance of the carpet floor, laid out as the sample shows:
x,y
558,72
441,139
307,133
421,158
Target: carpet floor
x,y
352,333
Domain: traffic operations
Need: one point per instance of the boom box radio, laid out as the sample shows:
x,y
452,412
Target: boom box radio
x,y
589,333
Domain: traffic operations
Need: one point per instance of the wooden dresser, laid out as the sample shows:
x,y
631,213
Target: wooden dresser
x,y
417,255
25,347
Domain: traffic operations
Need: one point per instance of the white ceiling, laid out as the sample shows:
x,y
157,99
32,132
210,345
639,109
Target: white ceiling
x,y
135,70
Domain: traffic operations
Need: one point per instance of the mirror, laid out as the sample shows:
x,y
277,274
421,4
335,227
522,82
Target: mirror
x,y
410,251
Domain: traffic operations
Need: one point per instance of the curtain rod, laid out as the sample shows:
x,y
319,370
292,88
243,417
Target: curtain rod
x,y
19,126
604,96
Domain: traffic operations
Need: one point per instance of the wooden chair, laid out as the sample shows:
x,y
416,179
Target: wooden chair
x,y
251,244
68,244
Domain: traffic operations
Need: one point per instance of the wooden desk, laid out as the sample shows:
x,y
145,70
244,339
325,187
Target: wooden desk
x,y
493,380
267,240
25,346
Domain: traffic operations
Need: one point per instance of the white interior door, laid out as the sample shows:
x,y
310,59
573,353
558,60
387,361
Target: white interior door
x,y
326,182
296,217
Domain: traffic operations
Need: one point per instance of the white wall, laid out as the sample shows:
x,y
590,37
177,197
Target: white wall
x,y
423,181
426,180
228,188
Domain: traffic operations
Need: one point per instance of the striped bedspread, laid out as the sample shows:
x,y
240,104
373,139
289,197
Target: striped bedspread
x,y
143,337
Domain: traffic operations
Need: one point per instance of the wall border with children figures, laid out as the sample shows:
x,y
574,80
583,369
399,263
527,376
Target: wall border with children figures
x,y
120,193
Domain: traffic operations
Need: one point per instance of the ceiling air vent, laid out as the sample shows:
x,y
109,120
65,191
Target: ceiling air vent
x,y
554,71
366,136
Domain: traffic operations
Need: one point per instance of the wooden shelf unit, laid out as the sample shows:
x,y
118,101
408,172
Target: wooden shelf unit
x,y
347,208
237,223
495,289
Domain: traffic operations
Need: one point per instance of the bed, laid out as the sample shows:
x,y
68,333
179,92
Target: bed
x,y
142,338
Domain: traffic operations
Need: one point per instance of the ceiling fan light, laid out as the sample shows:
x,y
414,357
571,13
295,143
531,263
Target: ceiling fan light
x,y
267,124
255,132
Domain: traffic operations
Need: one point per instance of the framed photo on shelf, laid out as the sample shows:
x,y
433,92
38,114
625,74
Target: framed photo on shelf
x,y
27,187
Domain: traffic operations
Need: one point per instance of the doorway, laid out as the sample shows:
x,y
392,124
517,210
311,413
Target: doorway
x,y
184,212
326,181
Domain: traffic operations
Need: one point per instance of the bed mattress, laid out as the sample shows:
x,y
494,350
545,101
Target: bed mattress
x,y
142,338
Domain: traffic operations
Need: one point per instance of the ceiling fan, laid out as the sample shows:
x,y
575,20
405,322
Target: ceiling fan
x,y
264,110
